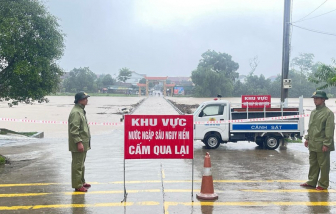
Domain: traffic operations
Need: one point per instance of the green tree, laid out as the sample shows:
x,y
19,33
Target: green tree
x,y
325,75
108,80
99,81
124,74
30,44
255,85
220,63
210,84
304,62
81,79
215,74
239,89
300,85
275,87
143,81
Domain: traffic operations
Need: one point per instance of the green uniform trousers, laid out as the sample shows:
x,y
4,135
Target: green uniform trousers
x,y
319,162
78,169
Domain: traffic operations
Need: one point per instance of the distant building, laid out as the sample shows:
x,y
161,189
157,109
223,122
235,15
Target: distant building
x,y
180,80
135,78
120,88
183,85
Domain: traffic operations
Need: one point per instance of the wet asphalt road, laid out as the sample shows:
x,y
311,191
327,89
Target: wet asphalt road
x,y
247,178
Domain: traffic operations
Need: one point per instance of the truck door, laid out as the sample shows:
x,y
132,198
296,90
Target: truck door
x,y
212,112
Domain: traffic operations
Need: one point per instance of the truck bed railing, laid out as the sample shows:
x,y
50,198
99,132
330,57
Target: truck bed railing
x,y
276,110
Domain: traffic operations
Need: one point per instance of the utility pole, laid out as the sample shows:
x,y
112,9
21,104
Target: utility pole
x,y
285,48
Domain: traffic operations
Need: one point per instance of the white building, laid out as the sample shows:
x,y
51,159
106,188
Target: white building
x,y
135,78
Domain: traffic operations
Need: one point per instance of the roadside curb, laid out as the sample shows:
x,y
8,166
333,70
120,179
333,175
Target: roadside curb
x,y
178,110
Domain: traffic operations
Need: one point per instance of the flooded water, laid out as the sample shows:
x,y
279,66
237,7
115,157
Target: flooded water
x,y
247,178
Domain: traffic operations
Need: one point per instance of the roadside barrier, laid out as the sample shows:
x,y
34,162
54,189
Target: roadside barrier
x,y
207,188
121,123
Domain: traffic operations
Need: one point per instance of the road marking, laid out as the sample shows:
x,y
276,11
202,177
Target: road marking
x,y
169,204
247,203
40,184
96,192
166,190
159,181
29,184
215,181
259,181
58,206
181,190
22,195
287,190
112,192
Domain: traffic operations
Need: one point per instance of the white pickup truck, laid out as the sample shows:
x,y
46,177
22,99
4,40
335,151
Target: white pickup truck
x,y
268,133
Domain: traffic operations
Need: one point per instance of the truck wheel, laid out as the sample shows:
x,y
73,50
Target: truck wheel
x,y
272,142
212,141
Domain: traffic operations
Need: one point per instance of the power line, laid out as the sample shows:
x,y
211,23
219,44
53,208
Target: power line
x,y
312,11
316,16
315,31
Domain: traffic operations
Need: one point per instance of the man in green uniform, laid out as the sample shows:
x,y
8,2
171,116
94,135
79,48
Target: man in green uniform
x,y
79,141
320,141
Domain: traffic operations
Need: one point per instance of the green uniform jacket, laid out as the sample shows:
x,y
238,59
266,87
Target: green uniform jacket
x,y
78,128
321,129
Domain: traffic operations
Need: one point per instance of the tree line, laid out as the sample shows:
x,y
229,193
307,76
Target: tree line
x,y
217,73
88,81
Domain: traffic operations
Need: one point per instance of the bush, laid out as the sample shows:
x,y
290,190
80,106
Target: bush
x,y
2,160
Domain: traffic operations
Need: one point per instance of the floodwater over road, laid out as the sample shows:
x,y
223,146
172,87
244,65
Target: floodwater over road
x,y
247,178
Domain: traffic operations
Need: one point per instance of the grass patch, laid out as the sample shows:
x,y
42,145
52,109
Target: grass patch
x,y
28,134
2,160
7,131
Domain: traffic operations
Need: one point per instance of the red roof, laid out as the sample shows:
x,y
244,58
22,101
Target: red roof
x,y
156,78
141,85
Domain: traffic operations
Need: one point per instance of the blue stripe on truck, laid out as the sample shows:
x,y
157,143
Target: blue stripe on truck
x,y
264,126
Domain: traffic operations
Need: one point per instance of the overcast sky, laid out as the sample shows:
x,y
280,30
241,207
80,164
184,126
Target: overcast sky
x,y
167,37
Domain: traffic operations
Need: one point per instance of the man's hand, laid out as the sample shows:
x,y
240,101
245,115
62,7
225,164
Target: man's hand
x,y
325,149
80,147
306,143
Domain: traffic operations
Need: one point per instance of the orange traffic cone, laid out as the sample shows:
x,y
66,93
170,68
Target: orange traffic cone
x,y
207,189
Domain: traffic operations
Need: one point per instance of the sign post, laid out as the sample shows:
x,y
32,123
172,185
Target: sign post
x,y
158,137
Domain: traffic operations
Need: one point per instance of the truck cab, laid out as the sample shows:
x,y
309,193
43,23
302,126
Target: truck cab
x,y
216,133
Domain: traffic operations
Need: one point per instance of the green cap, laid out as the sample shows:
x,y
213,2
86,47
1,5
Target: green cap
x,y
320,94
81,95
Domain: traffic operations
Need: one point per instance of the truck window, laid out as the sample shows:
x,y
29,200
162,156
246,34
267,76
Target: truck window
x,y
212,110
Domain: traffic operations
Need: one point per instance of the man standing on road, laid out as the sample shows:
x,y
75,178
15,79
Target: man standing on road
x,y
79,141
320,141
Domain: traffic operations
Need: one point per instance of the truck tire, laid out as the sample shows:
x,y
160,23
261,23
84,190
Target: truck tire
x,y
272,142
212,141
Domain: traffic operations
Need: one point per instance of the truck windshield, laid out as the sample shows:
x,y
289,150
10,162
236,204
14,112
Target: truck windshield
x,y
198,109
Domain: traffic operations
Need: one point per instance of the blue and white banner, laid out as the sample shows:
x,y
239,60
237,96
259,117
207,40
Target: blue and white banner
x,y
264,126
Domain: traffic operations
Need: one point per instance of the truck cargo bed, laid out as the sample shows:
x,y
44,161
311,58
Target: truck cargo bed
x,y
243,113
